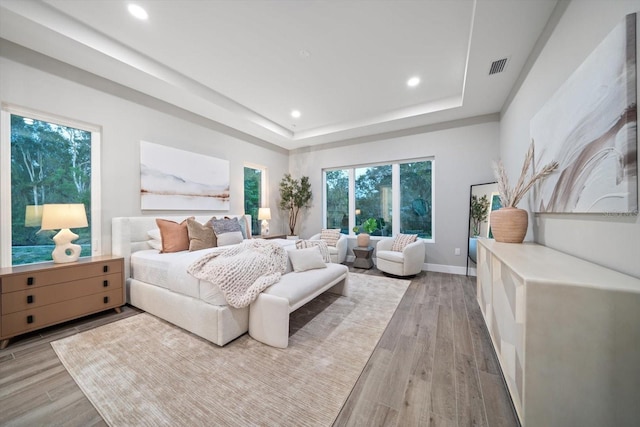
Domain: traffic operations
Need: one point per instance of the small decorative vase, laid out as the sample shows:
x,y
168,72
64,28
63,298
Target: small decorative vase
x,y
363,240
509,225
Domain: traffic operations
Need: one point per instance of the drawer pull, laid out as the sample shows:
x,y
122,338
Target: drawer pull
x,y
30,281
105,268
30,318
105,283
105,300
29,299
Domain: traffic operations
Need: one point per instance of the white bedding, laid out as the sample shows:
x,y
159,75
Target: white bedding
x,y
169,271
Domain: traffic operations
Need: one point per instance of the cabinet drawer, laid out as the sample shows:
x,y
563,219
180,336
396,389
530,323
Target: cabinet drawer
x,y
36,318
44,295
59,274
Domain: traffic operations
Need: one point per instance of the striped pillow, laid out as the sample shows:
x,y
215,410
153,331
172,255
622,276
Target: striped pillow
x,y
320,244
403,240
330,235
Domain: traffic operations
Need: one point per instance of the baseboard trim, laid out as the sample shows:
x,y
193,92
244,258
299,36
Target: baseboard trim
x,y
442,268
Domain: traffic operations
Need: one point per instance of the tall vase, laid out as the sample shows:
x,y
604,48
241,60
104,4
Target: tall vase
x,y
509,225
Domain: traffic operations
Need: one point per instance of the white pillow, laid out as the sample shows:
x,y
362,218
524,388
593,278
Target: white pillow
x,y
231,238
156,239
306,259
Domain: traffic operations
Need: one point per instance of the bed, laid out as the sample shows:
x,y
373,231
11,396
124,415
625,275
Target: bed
x,y
159,284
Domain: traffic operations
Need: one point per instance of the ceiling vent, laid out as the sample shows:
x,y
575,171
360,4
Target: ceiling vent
x,y
498,66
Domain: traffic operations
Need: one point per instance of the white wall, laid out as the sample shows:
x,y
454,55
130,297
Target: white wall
x,y
124,123
462,155
611,241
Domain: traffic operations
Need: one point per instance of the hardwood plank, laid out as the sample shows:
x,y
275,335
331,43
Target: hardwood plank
x,y
419,374
497,402
468,394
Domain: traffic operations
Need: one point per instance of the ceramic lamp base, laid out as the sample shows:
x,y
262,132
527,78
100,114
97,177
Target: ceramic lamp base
x,y
264,227
65,251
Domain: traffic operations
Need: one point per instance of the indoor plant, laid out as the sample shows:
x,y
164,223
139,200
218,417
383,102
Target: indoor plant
x,y
479,213
294,196
369,226
509,224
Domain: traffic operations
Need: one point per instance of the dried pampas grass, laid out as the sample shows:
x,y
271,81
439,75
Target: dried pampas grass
x,y
510,197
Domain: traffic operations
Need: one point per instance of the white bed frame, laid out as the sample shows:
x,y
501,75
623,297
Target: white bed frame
x,y
218,324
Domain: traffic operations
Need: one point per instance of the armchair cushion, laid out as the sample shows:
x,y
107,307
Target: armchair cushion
x,y
402,240
338,252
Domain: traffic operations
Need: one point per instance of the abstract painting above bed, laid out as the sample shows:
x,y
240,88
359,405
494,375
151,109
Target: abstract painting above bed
x,y
181,180
589,126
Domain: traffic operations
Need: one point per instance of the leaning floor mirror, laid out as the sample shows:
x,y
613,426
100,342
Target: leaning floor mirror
x,y
480,204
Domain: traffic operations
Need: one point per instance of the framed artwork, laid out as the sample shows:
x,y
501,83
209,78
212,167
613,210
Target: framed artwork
x,y
589,126
496,204
173,179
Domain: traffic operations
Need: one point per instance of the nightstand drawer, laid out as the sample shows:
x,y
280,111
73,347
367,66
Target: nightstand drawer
x,y
58,274
44,295
28,320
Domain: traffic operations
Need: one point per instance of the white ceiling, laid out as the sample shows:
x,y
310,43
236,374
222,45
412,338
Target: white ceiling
x,y
248,64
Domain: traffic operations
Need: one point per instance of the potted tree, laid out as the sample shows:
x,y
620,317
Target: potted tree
x,y
369,226
294,195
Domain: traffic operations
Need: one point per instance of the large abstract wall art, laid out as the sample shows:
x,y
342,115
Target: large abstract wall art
x,y
589,127
173,179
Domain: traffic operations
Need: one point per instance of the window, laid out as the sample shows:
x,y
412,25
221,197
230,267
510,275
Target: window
x,y
337,197
398,196
45,160
253,195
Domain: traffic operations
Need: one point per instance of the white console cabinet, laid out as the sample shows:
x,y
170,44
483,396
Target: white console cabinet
x,y
566,332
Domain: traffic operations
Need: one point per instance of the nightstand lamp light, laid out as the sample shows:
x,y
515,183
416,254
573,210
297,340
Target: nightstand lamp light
x,y
64,217
264,214
33,216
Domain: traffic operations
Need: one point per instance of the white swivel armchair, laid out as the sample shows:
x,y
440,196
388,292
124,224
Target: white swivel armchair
x,y
406,263
339,251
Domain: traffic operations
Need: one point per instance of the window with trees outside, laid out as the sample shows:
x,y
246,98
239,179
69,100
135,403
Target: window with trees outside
x,y
45,161
253,191
398,196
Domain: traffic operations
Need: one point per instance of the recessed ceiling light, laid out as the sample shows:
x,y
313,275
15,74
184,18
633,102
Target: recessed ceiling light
x,y
413,81
138,12
295,114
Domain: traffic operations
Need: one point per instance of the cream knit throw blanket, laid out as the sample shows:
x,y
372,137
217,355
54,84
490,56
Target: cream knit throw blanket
x,y
242,271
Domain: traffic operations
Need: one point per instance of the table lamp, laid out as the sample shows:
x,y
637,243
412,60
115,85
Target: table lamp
x,y
63,217
33,215
264,214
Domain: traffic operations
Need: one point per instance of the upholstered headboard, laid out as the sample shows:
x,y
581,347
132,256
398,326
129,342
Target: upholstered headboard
x,y
129,234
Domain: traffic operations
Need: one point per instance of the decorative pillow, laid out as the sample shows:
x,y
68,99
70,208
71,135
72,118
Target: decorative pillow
x,y
175,237
226,225
320,244
230,238
402,240
306,259
201,236
330,235
243,222
155,244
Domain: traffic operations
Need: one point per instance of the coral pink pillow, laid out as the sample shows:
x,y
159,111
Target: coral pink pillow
x,y
175,237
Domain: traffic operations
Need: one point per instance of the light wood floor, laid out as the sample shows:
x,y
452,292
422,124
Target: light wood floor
x,y
434,366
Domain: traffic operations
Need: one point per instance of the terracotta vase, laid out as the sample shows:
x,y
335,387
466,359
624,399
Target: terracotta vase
x,y
509,225
363,240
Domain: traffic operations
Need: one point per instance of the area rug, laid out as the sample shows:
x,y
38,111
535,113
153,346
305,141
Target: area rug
x,y
142,371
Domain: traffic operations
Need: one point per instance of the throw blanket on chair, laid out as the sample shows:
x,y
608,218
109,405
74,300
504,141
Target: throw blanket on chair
x,y
242,271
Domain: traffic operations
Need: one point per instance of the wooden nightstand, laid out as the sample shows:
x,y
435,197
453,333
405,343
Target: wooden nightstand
x,y
39,295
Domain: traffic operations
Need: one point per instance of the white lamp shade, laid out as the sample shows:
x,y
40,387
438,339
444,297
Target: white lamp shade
x,y
264,213
33,215
60,216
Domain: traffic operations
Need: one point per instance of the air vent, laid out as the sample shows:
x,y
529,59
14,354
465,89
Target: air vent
x,y
498,66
